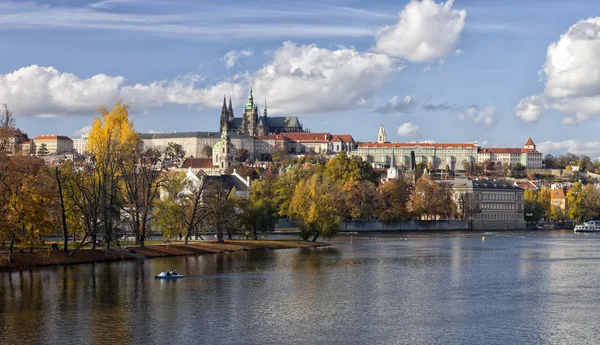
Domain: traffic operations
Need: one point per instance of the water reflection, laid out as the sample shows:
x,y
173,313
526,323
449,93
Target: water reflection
x,y
435,288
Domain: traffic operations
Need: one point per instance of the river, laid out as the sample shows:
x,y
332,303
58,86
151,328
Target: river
x,y
439,288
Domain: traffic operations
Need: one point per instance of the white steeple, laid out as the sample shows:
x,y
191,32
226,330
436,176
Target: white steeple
x,y
381,137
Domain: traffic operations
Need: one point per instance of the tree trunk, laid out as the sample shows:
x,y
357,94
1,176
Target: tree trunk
x,y
220,236
142,240
255,233
10,251
316,236
63,215
94,240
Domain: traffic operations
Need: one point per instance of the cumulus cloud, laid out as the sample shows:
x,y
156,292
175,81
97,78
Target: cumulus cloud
x,y
571,74
588,148
426,31
307,79
301,80
407,129
232,56
397,105
483,116
36,90
83,131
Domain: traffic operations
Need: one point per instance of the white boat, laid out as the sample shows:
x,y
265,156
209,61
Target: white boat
x,y
168,275
589,226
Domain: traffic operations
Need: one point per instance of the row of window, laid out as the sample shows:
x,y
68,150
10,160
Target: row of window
x,y
491,206
499,216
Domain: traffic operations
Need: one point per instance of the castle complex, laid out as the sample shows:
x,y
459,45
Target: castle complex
x,y
252,124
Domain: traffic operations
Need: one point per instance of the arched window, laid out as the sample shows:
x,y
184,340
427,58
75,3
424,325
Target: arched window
x,y
223,150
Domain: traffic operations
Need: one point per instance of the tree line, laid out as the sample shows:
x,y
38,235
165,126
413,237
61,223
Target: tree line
x,y
120,188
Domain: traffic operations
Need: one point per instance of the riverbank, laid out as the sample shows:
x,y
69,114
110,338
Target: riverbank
x,y
44,258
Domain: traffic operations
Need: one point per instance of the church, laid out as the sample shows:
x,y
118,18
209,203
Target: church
x,y
252,124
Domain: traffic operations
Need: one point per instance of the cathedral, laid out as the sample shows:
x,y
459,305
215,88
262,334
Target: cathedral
x,y
254,125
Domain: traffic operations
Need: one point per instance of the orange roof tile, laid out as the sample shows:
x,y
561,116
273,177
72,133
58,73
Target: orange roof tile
x,y
514,151
375,145
58,137
558,194
529,142
197,163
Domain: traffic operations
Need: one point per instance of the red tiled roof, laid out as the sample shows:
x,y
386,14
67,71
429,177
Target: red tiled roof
x,y
558,194
529,142
374,145
58,137
318,137
197,163
270,136
514,151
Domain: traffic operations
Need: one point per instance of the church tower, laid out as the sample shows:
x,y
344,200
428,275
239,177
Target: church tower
x,y
381,137
392,172
223,150
529,145
224,115
250,116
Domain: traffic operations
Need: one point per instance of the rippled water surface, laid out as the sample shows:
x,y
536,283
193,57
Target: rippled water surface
x,y
442,288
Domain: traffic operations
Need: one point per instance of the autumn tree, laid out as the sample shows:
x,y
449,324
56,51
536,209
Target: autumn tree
x,y
431,200
112,140
7,129
394,199
360,200
313,206
259,212
140,182
241,155
220,206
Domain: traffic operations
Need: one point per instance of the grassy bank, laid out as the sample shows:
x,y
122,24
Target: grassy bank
x,y
41,258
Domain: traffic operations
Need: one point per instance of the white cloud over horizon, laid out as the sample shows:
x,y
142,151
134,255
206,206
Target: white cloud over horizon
x,y
299,79
483,116
578,147
36,90
397,105
426,31
407,129
572,76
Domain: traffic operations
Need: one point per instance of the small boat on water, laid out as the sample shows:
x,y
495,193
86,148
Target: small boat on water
x,y
589,226
168,275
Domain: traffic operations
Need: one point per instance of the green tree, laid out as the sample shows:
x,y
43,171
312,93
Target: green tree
x,y
43,150
174,150
207,151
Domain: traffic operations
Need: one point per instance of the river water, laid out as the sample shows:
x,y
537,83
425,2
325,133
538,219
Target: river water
x,y
441,288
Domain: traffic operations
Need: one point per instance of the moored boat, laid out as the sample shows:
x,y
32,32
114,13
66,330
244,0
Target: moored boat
x,y
589,226
168,275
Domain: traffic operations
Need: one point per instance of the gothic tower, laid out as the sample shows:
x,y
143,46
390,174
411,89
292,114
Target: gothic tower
x,y
381,137
250,118
230,110
224,115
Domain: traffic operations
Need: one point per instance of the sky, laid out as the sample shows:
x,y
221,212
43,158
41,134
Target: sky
x,y
491,72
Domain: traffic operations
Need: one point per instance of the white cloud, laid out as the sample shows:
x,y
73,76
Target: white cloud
x,y
483,116
232,56
426,31
36,90
407,129
458,52
83,131
307,79
530,108
588,148
572,76
395,105
298,80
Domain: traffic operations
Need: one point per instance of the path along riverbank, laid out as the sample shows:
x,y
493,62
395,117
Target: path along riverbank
x,y
43,258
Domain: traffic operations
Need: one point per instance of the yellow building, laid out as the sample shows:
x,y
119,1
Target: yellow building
x,y
55,144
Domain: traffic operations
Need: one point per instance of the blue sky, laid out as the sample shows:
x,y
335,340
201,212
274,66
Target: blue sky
x,y
448,72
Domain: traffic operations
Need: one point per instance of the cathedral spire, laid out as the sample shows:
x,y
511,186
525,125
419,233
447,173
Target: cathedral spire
x,y
224,115
265,111
230,110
